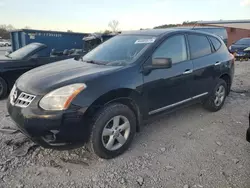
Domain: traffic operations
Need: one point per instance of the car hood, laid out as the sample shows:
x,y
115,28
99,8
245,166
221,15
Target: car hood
x,y
238,47
44,79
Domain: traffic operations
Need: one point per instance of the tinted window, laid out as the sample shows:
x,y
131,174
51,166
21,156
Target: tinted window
x,y
216,43
199,46
221,32
244,41
24,51
174,48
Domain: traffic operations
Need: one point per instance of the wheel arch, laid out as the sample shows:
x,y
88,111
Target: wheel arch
x,y
126,96
226,77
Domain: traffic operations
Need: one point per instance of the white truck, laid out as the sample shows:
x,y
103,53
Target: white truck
x,y
5,43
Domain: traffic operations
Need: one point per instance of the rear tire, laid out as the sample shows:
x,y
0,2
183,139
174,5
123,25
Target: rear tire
x,y
217,98
110,137
3,88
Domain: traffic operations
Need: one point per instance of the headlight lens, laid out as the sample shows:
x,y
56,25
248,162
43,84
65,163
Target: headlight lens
x,y
61,98
230,47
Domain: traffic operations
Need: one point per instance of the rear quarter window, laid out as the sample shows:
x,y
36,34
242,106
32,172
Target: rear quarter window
x,y
199,46
216,43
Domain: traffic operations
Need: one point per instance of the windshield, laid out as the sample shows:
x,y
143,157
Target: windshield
x,y
243,41
24,51
119,50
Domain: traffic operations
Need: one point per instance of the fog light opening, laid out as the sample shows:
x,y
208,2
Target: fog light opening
x,y
50,137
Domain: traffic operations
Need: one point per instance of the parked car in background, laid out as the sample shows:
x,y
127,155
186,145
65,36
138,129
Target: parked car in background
x,y
18,62
52,39
102,98
93,40
5,43
239,48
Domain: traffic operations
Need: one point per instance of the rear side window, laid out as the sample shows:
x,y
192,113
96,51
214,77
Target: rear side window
x,y
216,43
174,48
199,46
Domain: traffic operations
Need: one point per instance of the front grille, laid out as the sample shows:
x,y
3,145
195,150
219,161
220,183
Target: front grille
x,y
24,100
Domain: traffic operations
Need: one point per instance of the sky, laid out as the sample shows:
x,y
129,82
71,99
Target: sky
x,y
94,15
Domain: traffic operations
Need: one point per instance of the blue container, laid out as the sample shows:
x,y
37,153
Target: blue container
x,y
53,39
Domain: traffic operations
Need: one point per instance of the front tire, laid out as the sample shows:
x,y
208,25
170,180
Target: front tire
x,y
217,98
112,131
3,88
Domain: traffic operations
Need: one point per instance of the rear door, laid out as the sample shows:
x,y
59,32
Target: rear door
x,y
204,62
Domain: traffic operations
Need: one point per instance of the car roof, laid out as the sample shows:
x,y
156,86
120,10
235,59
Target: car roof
x,y
158,32
200,27
245,38
153,32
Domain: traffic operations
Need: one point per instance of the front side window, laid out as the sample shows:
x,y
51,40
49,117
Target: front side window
x,y
244,41
199,46
174,48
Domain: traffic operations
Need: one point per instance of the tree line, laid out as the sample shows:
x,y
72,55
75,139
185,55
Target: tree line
x,y
113,28
6,29
185,23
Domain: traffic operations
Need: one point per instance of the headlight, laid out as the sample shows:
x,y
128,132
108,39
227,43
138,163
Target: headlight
x,y
230,48
61,98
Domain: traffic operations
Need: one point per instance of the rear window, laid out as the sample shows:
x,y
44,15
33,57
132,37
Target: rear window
x,y
216,43
221,32
199,46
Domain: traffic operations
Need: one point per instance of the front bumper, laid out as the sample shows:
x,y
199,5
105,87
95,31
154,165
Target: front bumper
x,y
51,129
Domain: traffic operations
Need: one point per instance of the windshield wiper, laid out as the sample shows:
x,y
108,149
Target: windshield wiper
x,y
93,62
8,56
118,63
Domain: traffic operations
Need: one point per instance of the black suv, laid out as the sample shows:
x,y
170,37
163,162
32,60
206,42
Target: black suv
x,y
102,98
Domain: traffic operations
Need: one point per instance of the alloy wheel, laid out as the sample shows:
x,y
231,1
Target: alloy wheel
x,y
219,95
116,133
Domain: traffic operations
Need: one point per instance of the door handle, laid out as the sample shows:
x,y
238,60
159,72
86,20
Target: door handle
x,y
217,63
188,72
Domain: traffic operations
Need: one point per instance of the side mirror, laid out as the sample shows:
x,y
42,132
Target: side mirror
x,y
162,63
158,63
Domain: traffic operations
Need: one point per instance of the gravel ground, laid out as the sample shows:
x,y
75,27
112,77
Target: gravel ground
x,y
185,149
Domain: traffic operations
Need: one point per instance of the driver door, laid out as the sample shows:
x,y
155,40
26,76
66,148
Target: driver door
x,y
167,88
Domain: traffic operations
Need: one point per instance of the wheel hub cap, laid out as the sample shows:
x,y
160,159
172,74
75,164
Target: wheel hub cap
x,y
219,95
115,133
